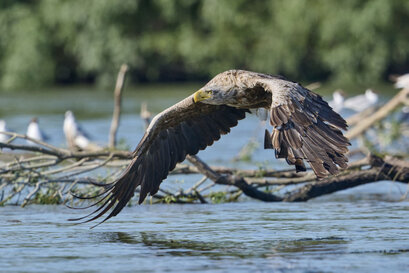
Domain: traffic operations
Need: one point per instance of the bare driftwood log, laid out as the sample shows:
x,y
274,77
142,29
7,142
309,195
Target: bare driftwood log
x,y
261,173
45,148
117,105
355,119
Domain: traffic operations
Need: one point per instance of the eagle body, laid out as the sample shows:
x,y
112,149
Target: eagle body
x,y
305,129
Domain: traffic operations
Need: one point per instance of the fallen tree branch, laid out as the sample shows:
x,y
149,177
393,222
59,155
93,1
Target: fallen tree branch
x,y
65,154
355,119
262,182
236,181
188,169
381,170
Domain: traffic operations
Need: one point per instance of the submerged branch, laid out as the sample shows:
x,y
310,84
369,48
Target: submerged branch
x,y
381,169
231,180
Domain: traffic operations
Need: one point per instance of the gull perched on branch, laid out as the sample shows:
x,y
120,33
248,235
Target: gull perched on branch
x,y
3,128
362,102
75,135
34,132
305,129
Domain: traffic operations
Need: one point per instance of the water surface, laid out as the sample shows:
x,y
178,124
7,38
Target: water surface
x,y
329,236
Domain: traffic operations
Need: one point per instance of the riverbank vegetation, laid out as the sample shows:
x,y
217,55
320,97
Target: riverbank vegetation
x,y
59,42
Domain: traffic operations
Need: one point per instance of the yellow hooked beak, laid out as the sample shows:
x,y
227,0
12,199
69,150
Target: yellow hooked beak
x,y
202,95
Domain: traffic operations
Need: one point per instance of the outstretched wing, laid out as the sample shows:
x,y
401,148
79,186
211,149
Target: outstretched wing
x,y
180,130
306,127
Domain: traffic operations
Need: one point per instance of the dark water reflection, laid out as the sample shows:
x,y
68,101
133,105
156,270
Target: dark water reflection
x,y
269,248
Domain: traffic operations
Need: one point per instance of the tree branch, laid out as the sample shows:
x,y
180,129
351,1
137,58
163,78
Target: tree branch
x,y
117,105
232,180
383,112
381,170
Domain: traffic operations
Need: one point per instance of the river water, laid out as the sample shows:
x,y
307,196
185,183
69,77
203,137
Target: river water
x,y
318,236
364,229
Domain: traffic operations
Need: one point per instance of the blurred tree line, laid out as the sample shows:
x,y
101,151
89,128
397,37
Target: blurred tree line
x,y
47,42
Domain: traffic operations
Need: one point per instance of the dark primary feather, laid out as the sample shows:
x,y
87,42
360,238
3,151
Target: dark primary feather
x,y
185,128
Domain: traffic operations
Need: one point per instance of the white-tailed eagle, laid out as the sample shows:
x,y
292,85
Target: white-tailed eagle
x,y
305,128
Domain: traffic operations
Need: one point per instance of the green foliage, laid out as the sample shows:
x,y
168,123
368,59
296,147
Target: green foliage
x,y
170,199
25,58
54,41
218,197
49,196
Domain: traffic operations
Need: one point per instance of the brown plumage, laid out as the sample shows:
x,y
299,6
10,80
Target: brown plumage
x,y
305,128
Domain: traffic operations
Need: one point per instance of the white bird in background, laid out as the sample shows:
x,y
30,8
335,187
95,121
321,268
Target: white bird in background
x,y
3,128
362,102
402,81
75,136
34,132
337,102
